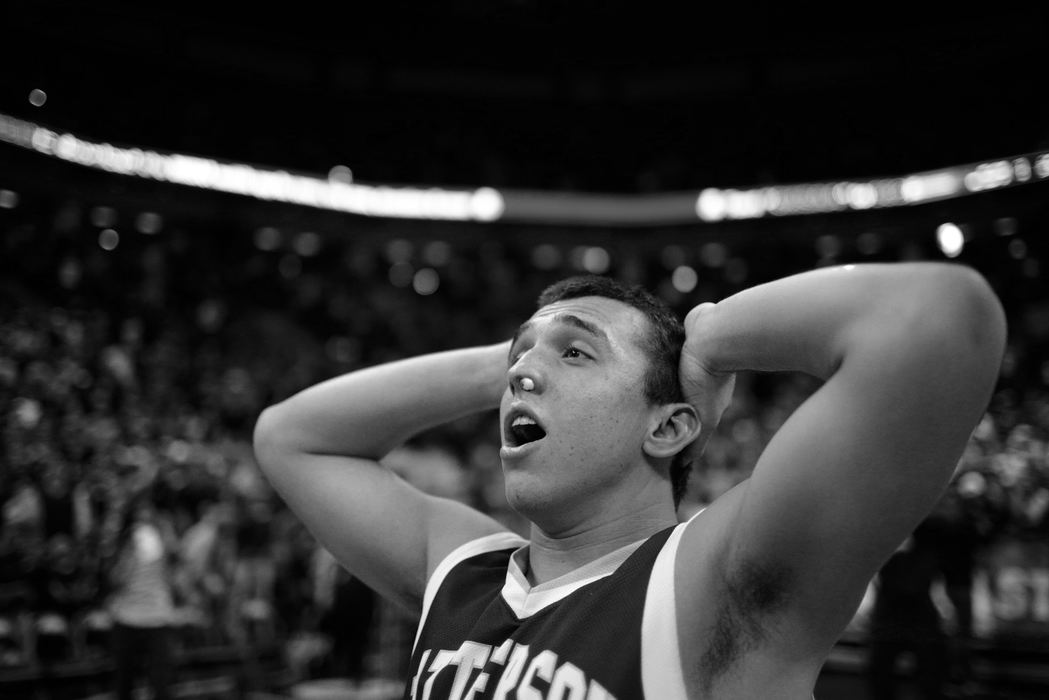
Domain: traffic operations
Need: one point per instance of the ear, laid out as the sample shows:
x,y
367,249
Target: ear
x,y
674,427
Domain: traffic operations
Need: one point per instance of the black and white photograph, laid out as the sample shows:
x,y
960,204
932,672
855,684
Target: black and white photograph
x,y
524,350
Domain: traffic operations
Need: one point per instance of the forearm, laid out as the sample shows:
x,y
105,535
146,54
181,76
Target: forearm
x,y
812,321
369,412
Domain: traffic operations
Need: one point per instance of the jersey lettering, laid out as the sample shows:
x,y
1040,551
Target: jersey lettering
x,y
569,683
542,665
519,674
440,662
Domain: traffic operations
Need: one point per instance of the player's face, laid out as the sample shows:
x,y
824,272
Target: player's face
x,y
577,432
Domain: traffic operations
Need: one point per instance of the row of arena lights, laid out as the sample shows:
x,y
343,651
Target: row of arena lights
x,y
339,192
950,238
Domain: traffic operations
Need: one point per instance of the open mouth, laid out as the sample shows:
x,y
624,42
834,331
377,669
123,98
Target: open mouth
x,y
522,428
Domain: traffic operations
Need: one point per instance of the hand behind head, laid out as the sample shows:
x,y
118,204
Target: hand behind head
x,y
709,391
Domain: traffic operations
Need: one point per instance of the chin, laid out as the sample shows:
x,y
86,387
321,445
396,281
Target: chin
x,y
527,497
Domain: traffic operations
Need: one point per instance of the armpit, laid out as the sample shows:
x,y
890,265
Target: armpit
x,y
751,593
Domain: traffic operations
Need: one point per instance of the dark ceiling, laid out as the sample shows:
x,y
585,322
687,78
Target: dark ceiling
x,y
529,94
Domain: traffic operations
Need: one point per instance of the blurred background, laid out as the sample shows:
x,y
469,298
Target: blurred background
x,y
203,211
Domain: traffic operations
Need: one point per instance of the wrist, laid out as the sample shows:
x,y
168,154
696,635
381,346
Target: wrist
x,y
491,372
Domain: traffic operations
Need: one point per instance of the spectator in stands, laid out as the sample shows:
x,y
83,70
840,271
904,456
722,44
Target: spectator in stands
x,y
141,602
905,619
347,610
16,591
66,500
293,583
64,587
12,649
966,530
206,563
254,572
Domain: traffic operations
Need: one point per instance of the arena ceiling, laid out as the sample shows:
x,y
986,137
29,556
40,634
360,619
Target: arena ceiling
x,y
530,94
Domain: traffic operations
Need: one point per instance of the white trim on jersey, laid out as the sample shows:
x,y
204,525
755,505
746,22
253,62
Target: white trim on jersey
x,y
482,545
661,674
526,600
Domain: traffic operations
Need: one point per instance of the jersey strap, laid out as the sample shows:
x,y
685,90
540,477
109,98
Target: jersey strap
x,y
482,545
661,674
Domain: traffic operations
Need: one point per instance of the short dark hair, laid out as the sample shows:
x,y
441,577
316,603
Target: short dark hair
x,y
662,345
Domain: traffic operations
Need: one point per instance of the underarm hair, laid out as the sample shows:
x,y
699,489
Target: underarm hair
x,y
753,592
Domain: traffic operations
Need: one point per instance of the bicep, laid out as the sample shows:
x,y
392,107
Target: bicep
x,y
381,528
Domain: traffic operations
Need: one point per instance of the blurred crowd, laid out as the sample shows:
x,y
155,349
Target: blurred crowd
x,y
131,375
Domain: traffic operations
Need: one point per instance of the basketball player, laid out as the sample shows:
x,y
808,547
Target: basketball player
x,y
602,395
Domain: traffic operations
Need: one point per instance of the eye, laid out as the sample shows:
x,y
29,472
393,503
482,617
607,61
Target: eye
x,y
573,353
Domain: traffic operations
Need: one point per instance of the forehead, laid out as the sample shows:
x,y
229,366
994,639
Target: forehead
x,y
621,323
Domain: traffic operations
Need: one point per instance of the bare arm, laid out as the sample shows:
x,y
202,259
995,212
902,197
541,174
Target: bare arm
x,y
910,354
321,450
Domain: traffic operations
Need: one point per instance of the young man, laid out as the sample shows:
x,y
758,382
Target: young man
x,y
610,596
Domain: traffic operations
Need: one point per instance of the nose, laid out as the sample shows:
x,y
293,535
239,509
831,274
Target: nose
x,y
524,378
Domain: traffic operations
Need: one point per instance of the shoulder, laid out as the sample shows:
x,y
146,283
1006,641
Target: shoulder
x,y
489,555
503,543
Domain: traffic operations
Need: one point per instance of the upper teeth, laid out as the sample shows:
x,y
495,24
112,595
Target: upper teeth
x,y
522,420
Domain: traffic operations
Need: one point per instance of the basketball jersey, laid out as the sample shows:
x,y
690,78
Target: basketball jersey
x,y
603,632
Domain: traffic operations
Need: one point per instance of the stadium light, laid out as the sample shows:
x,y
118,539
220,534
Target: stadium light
x,y
950,239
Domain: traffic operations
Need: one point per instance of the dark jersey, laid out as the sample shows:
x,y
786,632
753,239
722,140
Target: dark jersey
x,y
606,631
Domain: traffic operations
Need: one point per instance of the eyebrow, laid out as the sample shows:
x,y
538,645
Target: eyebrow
x,y
566,319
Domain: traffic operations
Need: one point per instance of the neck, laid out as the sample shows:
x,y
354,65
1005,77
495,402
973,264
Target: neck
x,y
551,555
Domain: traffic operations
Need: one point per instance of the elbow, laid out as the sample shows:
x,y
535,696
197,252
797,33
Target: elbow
x,y
269,436
979,313
969,318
